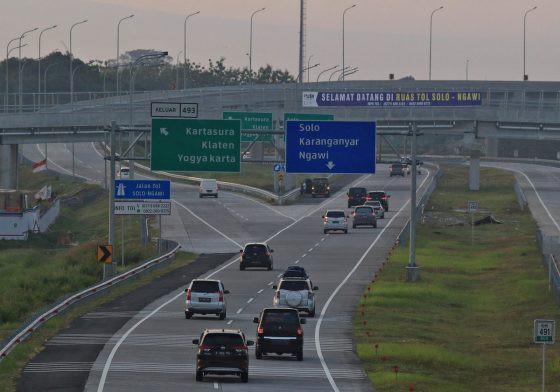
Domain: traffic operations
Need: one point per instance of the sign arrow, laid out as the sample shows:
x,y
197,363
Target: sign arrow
x,y
120,190
105,254
163,131
330,165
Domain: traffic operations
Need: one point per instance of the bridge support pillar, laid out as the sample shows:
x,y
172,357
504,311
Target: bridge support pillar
x,y
8,166
491,147
474,170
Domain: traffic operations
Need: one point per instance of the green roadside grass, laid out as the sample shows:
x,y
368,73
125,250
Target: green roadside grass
x,y
13,364
467,325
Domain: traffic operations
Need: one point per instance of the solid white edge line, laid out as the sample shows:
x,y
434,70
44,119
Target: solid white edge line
x,y
335,292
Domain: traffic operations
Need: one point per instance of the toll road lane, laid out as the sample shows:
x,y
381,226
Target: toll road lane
x,y
328,258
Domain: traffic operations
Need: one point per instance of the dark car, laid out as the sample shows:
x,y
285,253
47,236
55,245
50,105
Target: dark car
x,y
321,187
380,196
364,216
222,351
397,169
256,254
279,331
295,271
356,196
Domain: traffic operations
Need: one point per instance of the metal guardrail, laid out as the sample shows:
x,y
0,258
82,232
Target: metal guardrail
x,y
554,277
26,330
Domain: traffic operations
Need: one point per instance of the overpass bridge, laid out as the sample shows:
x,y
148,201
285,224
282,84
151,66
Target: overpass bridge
x,y
508,110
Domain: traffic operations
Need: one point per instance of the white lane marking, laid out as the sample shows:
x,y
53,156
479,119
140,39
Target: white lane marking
x,y
62,168
266,206
279,275
229,322
250,300
216,385
297,261
534,189
239,310
310,250
337,196
96,151
207,224
141,321
270,283
322,239
317,244
335,292
303,255
260,291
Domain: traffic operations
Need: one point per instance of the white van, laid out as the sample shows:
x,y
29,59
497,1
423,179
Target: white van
x,y
124,173
208,187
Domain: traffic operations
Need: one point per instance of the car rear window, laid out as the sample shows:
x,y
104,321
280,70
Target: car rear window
x,y
223,339
293,285
280,316
256,248
335,214
357,191
376,195
363,210
203,286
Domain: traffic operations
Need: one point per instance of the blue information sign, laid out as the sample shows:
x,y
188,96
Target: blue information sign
x,y
330,147
391,99
142,190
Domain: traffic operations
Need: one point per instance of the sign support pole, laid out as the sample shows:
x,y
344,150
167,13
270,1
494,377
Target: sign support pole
x,y
543,365
122,240
412,270
160,235
107,269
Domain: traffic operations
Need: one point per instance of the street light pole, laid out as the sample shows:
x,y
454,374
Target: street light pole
x,y
308,60
19,68
326,70
343,33
525,76
251,43
118,47
306,69
177,71
412,273
71,59
185,48
431,23
8,51
39,62
337,71
467,70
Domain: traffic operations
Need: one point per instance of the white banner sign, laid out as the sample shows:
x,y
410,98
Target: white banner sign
x,y
142,208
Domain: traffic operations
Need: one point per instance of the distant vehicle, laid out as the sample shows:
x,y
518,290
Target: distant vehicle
x,y
223,352
397,169
247,155
295,293
335,220
364,216
295,271
377,207
356,196
205,296
380,196
208,187
124,173
256,254
321,187
279,331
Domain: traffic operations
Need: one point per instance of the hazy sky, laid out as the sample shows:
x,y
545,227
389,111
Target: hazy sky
x,y
382,37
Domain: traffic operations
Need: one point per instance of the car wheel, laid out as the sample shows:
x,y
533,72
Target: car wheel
x,y
346,231
353,226
258,353
216,196
245,377
222,315
241,267
313,195
199,375
325,231
188,315
299,355
311,313
200,196
270,267
375,225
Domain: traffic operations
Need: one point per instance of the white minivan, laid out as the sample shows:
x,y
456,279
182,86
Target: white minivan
x,y
208,187
124,173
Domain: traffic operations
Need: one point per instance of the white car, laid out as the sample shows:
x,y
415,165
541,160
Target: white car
x,y
208,187
124,173
335,220
295,293
377,208
205,296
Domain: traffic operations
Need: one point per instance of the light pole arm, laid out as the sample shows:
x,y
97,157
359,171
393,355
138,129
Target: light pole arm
x,y
326,70
251,39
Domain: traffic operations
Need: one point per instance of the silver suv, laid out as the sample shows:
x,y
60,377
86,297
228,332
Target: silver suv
x,y
295,293
205,296
335,220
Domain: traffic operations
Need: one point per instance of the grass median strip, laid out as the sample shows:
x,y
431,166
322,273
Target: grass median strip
x,y
467,325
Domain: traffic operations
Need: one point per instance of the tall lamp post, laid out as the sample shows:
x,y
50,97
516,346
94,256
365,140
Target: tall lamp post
x,y
467,70
118,47
337,71
431,23
7,80
525,76
177,71
19,68
326,70
343,33
39,62
71,60
185,48
308,67
251,42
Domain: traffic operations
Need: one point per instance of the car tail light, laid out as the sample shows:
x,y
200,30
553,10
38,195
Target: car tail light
x,y
188,294
243,256
325,219
240,348
278,294
221,296
383,197
260,331
268,254
299,331
345,219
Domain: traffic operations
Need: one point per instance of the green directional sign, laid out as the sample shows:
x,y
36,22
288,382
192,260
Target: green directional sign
x,y
252,121
195,145
307,117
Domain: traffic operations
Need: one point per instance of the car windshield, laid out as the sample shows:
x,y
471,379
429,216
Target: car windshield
x,y
223,339
204,286
363,210
335,214
255,248
357,191
293,285
279,316
320,181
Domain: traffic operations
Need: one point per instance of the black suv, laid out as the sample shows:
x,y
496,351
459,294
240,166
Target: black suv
x,y
256,254
222,351
295,271
356,196
380,196
279,332
320,186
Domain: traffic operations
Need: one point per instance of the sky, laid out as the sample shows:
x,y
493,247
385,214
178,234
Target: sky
x,y
382,37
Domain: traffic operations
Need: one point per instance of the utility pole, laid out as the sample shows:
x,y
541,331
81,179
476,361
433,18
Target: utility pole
x,y
412,270
301,40
109,268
